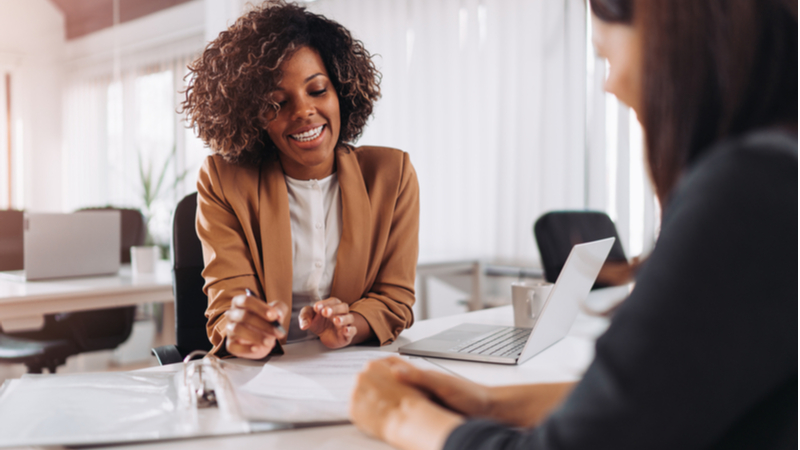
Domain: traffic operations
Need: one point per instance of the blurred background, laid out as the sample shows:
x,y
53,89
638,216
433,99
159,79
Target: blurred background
x,y
499,103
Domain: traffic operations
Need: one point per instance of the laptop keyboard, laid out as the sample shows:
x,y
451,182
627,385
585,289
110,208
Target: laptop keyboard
x,y
503,342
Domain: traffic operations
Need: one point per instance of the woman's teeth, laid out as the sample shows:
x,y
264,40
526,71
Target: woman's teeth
x,y
309,135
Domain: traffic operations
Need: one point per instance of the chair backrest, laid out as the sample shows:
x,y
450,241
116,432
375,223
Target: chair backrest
x,y
557,231
187,279
11,240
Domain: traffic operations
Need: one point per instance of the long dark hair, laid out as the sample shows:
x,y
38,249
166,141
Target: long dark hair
x,y
712,69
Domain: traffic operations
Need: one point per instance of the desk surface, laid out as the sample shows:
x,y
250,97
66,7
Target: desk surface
x,y
564,361
24,304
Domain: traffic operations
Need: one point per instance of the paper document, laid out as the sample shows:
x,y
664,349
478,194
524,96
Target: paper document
x,y
326,376
303,389
152,404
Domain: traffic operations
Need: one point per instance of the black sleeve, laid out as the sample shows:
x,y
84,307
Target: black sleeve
x,y
707,341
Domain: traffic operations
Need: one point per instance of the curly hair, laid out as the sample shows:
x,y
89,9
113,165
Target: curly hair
x,y
227,100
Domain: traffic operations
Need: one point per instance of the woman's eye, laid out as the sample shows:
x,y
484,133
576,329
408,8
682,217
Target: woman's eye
x,y
282,103
319,92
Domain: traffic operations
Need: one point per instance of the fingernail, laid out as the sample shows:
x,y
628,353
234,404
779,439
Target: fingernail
x,y
237,314
239,301
329,311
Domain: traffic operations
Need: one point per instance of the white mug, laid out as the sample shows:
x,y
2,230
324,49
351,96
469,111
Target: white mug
x,y
143,259
527,298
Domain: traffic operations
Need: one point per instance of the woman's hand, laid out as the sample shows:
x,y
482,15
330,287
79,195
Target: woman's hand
x,y
460,395
332,321
521,405
617,273
249,332
397,413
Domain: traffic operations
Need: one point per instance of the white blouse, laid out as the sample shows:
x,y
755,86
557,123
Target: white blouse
x,y
315,210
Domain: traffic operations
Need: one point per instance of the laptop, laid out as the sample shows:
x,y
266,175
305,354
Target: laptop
x,y
510,345
80,244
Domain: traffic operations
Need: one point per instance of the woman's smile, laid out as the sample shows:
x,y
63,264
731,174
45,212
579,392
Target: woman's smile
x,y
309,135
306,126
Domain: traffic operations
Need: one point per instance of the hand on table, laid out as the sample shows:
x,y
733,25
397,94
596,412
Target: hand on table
x,y
617,273
331,320
250,333
457,394
400,414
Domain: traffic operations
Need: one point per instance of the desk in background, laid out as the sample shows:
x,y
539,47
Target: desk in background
x,y
23,305
477,269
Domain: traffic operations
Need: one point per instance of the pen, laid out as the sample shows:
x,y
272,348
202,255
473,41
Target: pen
x,y
275,324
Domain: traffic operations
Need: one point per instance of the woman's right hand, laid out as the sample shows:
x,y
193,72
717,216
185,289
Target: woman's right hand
x,y
457,394
249,333
521,405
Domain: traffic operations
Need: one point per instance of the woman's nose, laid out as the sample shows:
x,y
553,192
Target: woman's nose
x,y
303,108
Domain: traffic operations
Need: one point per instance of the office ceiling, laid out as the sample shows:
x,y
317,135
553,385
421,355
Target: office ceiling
x,y
86,16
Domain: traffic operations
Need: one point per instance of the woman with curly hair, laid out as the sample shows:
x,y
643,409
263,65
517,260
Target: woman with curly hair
x,y
303,235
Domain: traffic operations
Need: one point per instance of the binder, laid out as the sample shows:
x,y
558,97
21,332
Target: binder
x,y
198,398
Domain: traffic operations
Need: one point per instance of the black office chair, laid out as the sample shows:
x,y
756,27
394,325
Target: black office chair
x,y
187,285
557,231
67,334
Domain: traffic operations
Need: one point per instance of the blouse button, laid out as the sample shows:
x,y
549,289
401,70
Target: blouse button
x,y
318,264
318,225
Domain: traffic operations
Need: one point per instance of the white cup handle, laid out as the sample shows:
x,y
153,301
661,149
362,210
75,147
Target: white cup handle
x,y
529,303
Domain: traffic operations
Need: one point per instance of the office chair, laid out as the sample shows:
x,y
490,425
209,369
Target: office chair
x,y
36,355
11,256
557,231
67,334
187,285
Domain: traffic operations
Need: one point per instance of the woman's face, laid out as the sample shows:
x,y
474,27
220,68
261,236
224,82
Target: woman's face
x,y
306,128
621,45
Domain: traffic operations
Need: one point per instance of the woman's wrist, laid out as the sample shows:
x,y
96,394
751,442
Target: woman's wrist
x,y
363,330
489,402
419,424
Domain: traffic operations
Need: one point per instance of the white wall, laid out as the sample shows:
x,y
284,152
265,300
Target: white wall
x,y
31,49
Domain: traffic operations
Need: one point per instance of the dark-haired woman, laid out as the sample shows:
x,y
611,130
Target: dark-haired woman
x,y
322,234
703,354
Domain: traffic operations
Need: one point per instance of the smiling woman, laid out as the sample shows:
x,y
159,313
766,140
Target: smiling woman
x,y
306,127
325,234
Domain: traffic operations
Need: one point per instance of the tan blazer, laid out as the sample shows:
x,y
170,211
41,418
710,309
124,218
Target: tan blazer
x,y
243,223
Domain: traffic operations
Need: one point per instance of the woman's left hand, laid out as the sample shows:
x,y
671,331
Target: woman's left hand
x,y
403,416
331,320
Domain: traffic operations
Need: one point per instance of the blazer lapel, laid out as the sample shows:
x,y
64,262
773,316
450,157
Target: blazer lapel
x,y
353,255
276,235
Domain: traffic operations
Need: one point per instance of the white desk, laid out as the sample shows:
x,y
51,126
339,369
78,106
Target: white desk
x,y
564,361
24,304
474,267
